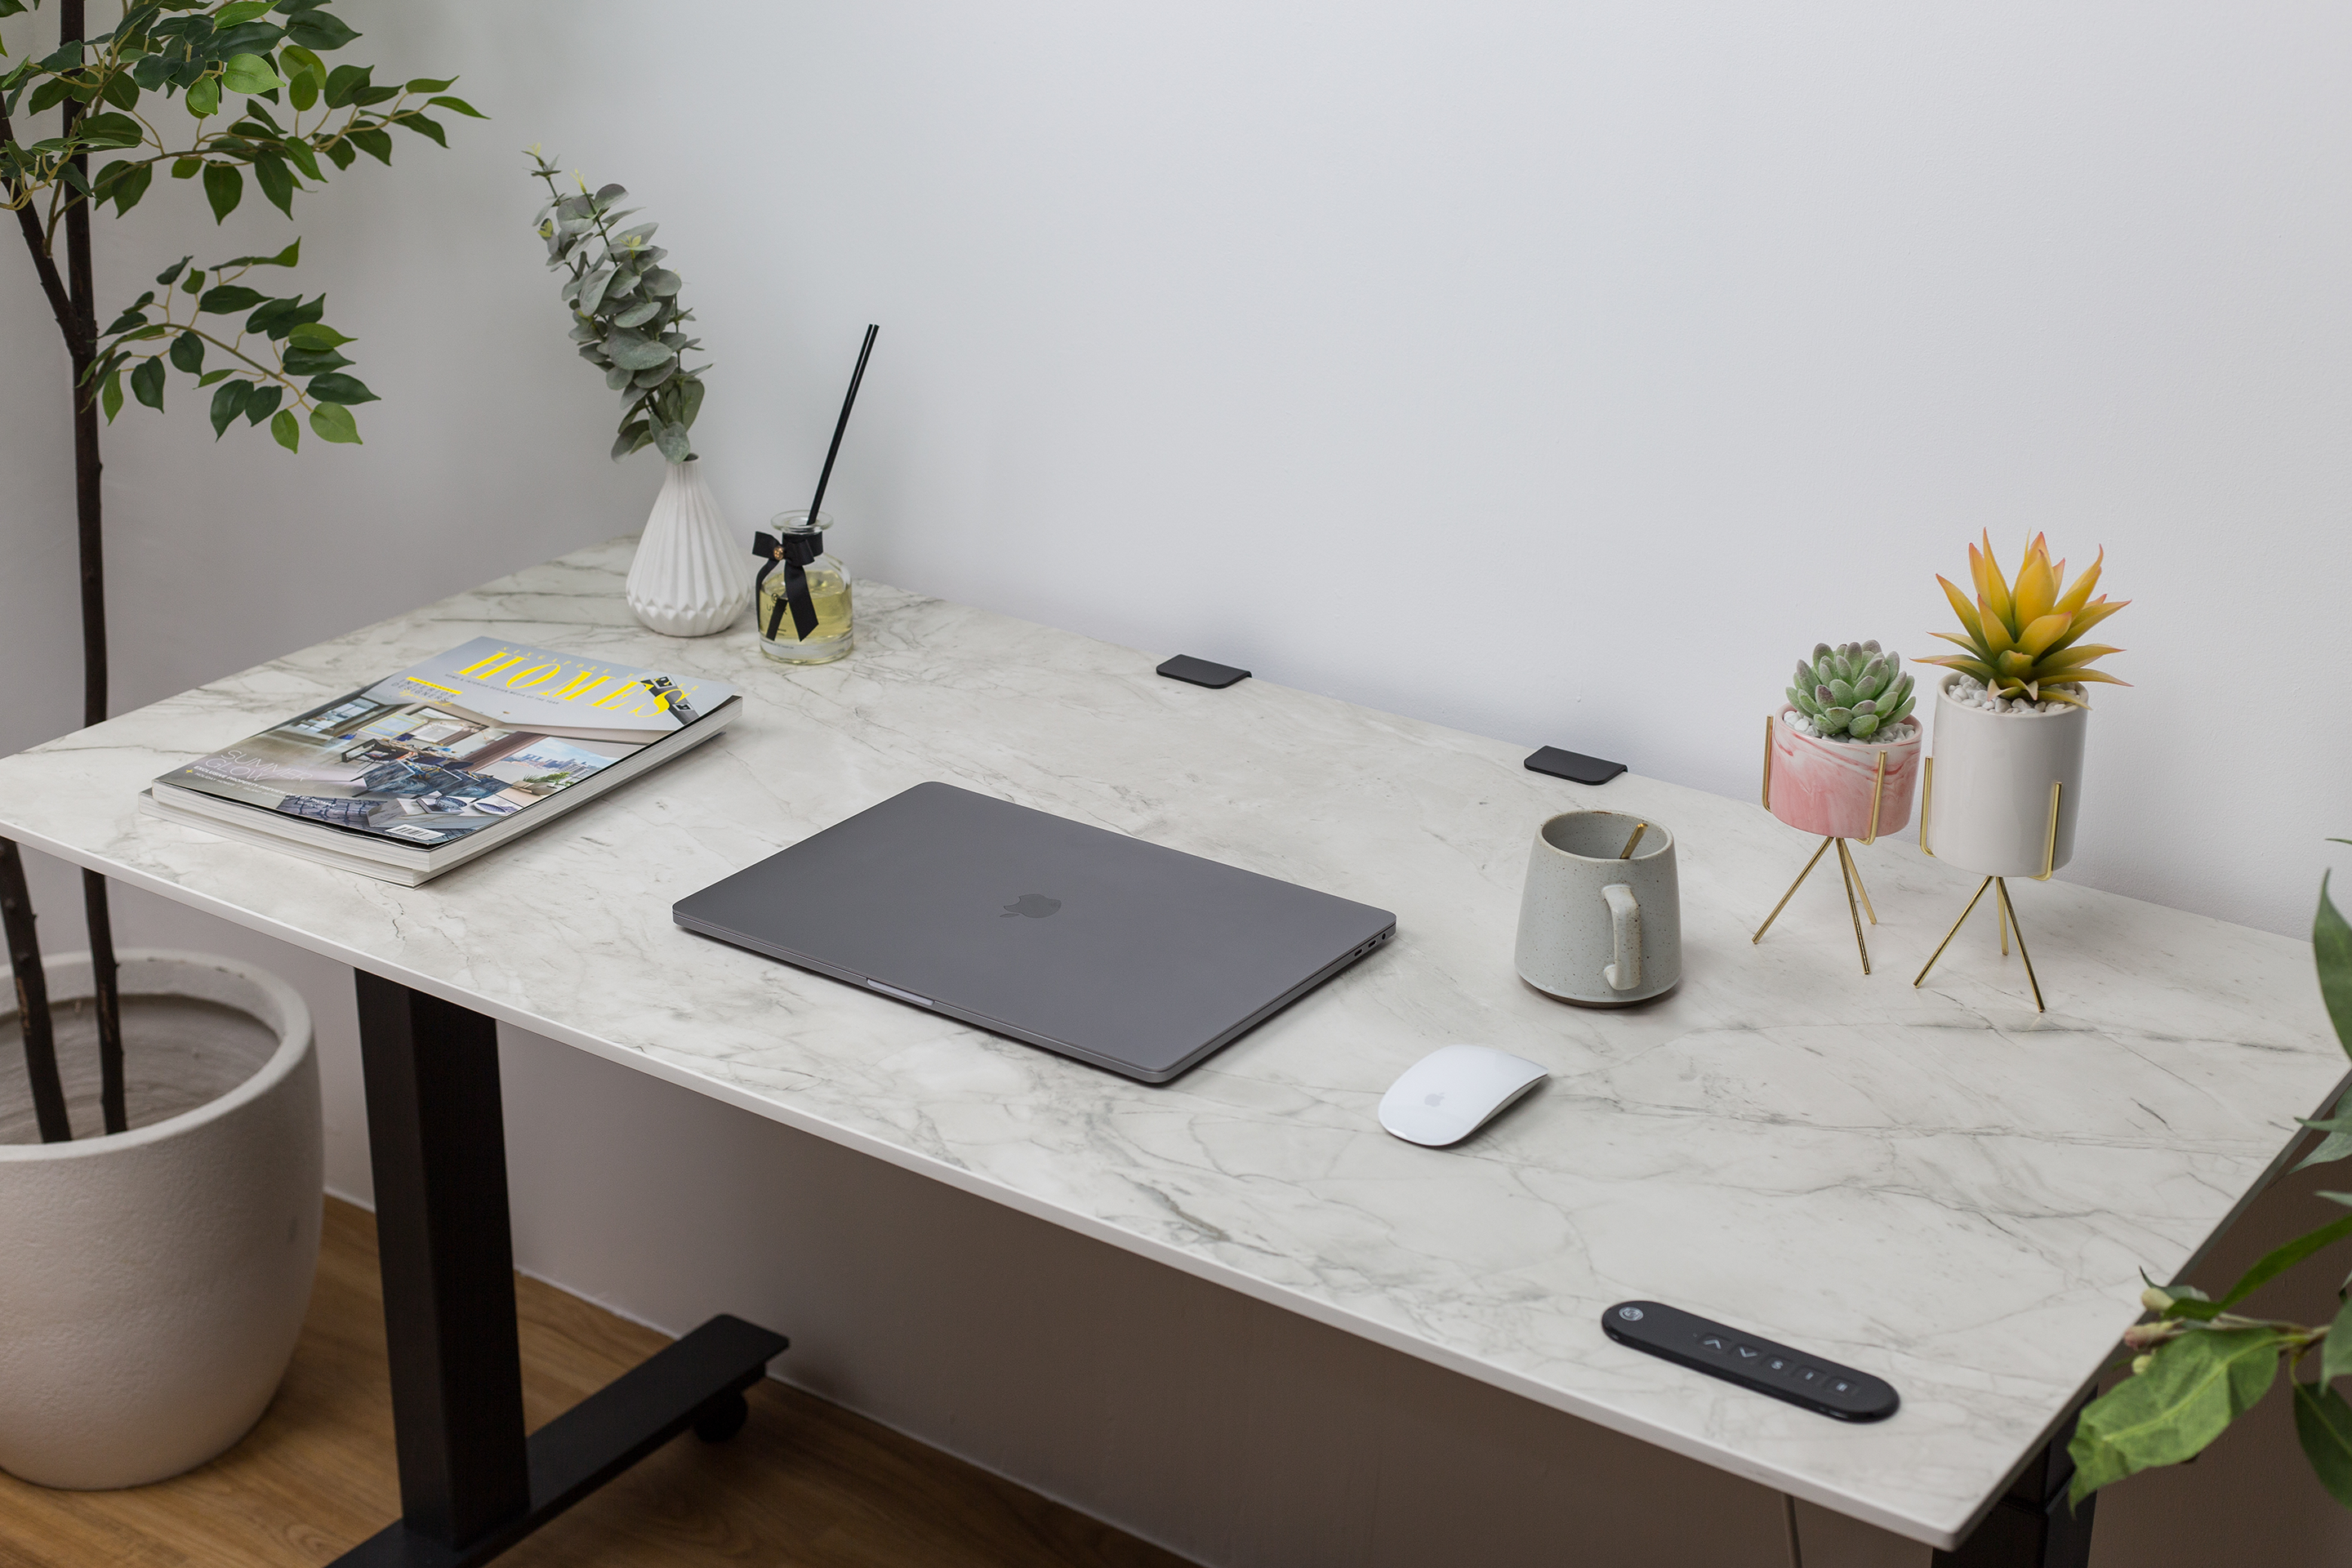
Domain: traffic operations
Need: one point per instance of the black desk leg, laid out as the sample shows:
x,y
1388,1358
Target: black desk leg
x,y
2030,1526
471,1484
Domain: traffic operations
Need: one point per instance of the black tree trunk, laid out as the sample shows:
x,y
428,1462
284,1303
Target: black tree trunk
x,y
83,350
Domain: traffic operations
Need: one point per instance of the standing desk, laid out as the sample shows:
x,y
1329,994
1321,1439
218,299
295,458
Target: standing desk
x,y
1938,1185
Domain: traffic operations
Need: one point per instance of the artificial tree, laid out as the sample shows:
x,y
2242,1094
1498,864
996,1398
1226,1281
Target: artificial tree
x,y
116,92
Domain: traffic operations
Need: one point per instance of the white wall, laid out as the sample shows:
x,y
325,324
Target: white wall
x,y
1561,371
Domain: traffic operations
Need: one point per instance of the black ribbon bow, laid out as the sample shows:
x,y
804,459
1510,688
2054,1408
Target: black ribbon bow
x,y
794,551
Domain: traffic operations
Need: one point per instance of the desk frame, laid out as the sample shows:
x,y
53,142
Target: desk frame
x,y
471,1483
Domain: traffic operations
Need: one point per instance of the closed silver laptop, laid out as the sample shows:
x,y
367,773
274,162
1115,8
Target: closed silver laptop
x,y
1129,955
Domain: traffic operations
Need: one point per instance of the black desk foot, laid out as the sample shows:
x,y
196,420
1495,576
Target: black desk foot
x,y
471,1484
698,1381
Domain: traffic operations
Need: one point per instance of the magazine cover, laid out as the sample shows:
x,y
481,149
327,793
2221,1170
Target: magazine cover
x,y
449,746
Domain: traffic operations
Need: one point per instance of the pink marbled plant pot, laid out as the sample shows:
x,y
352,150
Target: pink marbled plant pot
x,y
1823,787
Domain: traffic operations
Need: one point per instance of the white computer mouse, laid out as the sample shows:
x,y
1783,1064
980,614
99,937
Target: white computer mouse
x,y
1454,1091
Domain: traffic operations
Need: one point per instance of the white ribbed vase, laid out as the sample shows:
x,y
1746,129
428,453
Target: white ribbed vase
x,y
689,578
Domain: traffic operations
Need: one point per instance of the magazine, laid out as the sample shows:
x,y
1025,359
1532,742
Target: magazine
x,y
431,766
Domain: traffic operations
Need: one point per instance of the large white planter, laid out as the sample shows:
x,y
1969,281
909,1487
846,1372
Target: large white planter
x,y
690,577
1987,808
153,1283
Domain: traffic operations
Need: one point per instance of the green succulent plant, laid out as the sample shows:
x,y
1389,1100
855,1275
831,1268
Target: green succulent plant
x,y
1853,691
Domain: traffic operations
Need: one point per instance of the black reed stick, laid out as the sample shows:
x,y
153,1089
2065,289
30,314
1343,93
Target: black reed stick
x,y
826,477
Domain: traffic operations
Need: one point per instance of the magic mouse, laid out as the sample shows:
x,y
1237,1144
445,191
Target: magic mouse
x,y
1454,1091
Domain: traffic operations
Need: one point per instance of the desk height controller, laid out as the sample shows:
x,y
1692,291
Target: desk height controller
x,y
1819,1385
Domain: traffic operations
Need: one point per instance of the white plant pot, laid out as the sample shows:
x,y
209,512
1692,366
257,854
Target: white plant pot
x,y
153,1282
691,577
1988,809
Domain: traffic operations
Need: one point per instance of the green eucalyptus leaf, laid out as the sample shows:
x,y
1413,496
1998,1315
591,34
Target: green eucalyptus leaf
x,y
637,352
335,386
333,422
2194,1387
286,431
671,439
632,436
662,283
223,187
638,315
188,354
592,290
147,383
690,400
2323,1423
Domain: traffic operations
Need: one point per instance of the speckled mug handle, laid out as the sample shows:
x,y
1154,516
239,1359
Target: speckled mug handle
x,y
1625,921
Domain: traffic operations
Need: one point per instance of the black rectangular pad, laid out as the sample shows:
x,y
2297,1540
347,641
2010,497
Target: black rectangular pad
x,y
1574,766
1202,672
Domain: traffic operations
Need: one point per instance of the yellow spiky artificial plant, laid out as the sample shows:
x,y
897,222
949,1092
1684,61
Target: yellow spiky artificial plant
x,y
2022,640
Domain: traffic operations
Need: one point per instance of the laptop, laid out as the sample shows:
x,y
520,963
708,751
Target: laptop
x,y
1129,955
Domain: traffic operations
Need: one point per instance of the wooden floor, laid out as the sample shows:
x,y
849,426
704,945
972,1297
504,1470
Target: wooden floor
x,y
805,1483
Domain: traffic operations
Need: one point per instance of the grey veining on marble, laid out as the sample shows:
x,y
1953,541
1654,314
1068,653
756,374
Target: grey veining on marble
x,y
1935,1185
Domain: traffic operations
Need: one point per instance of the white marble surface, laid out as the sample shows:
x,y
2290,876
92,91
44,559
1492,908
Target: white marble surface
x,y
1935,1185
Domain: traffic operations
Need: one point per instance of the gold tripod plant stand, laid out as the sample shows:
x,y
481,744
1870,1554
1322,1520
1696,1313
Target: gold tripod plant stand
x,y
2004,911
1847,870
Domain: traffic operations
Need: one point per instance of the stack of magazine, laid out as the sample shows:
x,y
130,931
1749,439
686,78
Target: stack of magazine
x,y
446,759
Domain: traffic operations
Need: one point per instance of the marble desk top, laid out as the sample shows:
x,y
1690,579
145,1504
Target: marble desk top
x,y
1935,1185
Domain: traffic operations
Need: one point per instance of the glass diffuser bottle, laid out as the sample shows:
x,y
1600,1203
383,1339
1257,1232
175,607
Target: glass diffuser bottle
x,y
813,626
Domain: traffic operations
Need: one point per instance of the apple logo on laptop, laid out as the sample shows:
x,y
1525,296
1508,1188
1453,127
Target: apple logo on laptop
x,y
1036,906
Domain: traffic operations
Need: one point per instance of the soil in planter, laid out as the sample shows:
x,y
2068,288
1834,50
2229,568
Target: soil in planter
x,y
178,1054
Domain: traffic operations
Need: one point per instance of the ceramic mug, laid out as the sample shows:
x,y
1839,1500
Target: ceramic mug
x,y
1598,926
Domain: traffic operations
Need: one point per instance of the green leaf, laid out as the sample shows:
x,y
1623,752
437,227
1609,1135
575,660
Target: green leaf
x,y
2331,943
311,362
109,396
121,91
188,352
298,154
2324,1424
426,84
132,186
2336,1350
276,183
370,95
373,142
228,401
223,186
345,81
2282,1258
110,133
227,298
2195,1387
170,275
302,92
336,387
333,422
339,151
318,30
193,283
250,73
147,383
262,402
202,98
289,257
229,16
186,168
312,335
456,106
283,427
211,376
426,126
